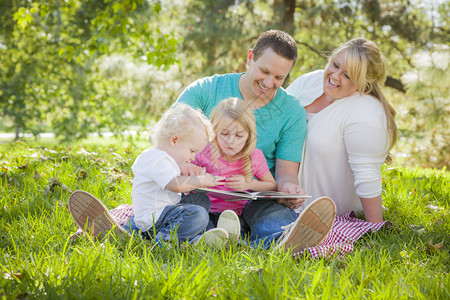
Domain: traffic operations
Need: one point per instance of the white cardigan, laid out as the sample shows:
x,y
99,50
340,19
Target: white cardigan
x,y
346,144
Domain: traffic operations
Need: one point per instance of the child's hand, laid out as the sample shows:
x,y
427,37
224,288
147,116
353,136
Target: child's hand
x,y
192,170
209,180
237,183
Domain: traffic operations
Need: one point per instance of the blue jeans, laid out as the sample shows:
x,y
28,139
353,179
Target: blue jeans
x,y
189,221
265,219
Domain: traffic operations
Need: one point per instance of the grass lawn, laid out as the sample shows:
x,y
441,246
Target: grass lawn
x,y
37,258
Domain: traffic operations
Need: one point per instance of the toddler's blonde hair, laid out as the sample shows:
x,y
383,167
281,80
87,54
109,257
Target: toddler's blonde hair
x,y
179,120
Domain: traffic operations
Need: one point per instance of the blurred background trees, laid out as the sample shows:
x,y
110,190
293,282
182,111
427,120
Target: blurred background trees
x,y
81,66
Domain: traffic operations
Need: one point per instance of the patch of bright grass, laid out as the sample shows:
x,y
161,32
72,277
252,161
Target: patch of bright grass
x,y
38,259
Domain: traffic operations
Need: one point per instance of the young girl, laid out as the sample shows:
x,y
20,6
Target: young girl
x,y
233,155
158,207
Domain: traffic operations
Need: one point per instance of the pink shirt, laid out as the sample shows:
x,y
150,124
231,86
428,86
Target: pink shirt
x,y
228,169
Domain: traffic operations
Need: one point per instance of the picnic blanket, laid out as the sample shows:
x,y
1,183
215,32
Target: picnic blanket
x,y
345,231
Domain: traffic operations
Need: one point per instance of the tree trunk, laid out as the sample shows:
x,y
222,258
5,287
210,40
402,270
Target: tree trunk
x,y
283,15
17,128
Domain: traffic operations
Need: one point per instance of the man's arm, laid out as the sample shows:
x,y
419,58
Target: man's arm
x,y
286,177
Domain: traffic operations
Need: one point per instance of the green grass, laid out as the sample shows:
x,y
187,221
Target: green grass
x,y
38,259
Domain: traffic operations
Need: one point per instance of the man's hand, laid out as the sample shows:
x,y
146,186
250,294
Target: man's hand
x,y
292,203
286,173
292,188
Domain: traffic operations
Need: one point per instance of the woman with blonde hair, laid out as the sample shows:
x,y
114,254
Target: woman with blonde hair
x,y
351,129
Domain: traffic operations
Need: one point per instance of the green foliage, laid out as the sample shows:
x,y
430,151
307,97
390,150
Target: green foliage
x,y
238,26
49,57
148,90
39,260
426,121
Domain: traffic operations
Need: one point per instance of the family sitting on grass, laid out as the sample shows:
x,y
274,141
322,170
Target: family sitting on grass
x,y
330,131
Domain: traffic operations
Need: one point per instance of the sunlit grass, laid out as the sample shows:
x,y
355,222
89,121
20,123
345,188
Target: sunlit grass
x,y
37,258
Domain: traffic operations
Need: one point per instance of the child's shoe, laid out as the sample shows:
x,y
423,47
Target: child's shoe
x,y
92,216
216,237
311,226
229,221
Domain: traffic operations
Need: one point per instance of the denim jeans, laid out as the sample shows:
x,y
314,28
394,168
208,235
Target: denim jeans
x,y
265,219
189,221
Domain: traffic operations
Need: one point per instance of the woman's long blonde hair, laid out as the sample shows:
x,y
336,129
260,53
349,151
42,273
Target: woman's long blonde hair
x,y
367,69
240,112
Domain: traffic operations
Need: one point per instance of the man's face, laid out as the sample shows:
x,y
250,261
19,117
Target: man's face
x,y
267,74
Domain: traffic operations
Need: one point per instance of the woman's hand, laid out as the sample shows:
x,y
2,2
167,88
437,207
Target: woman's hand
x,y
237,183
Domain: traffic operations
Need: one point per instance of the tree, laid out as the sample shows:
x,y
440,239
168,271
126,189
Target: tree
x,y
49,52
428,84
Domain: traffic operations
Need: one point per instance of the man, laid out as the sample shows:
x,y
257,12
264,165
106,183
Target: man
x,y
281,127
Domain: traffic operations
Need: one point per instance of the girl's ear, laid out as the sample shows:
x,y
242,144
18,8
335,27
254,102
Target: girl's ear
x,y
174,139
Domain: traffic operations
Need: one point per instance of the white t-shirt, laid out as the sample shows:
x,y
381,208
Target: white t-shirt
x,y
345,146
152,171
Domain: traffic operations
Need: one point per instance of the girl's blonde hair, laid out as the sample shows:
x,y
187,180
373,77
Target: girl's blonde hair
x,y
240,112
180,119
367,69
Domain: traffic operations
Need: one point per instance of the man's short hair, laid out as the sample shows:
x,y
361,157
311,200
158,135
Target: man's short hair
x,y
279,41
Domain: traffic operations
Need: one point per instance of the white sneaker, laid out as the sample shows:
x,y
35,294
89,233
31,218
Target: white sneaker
x,y
229,221
216,237
92,216
311,226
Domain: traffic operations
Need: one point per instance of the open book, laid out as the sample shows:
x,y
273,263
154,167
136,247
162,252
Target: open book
x,y
243,195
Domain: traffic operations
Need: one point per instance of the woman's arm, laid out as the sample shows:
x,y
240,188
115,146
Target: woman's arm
x,y
373,209
367,142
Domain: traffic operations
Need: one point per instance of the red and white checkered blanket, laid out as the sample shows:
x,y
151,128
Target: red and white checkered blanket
x,y
345,231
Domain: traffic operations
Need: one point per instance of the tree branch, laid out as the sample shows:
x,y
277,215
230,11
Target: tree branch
x,y
395,84
320,53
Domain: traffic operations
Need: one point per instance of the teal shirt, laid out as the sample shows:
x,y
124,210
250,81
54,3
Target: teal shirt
x,y
280,124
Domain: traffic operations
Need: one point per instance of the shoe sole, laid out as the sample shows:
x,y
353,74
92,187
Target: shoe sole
x,y
92,216
216,237
229,221
313,225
